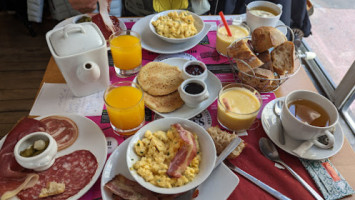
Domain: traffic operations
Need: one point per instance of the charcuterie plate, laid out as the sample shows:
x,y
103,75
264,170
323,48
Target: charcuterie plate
x,y
90,138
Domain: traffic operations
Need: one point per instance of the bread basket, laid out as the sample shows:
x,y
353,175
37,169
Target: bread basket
x,y
245,73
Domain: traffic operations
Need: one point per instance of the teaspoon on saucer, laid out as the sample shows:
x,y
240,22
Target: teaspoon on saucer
x,y
277,110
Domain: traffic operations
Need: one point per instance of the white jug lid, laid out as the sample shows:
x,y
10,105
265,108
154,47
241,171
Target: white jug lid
x,y
74,39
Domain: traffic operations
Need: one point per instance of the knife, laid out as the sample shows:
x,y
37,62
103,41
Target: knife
x,y
257,182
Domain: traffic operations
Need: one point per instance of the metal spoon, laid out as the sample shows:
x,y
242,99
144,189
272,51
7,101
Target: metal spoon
x,y
277,110
269,150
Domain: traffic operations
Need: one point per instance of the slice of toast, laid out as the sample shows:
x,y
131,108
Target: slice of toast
x,y
283,58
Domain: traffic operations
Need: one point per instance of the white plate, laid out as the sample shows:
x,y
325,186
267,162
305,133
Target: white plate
x,y
219,185
154,44
90,138
214,85
73,19
268,119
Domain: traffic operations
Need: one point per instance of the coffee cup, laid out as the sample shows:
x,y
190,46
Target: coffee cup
x,y
193,91
307,116
262,13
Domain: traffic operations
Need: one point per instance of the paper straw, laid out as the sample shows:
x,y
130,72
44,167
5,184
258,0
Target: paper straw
x,y
225,24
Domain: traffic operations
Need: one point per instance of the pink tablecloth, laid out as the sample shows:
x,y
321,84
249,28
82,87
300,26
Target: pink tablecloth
x,y
251,160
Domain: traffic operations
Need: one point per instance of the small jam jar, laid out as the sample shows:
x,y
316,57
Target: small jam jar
x,y
194,69
39,158
193,91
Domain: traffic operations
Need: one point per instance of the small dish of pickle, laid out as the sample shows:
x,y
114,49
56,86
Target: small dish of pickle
x,y
36,151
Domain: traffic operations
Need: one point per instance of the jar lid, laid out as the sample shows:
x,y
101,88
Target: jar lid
x,y
74,39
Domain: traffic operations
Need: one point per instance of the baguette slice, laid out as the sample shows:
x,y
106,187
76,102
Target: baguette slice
x,y
265,57
283,58
266,37
221,140
240,50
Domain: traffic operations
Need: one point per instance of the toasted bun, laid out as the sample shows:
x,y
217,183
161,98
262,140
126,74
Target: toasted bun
x,y
221,140
266,37
163,104
283,58
157,78
240,50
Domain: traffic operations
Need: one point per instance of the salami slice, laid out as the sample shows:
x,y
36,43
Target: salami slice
x,y
75,170
62,129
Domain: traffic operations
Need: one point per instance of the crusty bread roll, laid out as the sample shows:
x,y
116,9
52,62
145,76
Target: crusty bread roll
x,y
240,50
221,140
283,58
265,37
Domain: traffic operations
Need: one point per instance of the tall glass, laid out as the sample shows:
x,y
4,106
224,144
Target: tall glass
x,y
238,106
223,40
125,107
126,52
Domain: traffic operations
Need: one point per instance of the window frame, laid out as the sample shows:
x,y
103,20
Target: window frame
x,y
342,95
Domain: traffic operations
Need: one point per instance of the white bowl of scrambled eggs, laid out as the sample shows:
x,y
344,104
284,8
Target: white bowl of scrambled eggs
x,y
176,26
154,146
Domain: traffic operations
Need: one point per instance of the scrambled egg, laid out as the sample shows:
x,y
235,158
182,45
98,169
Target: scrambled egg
x,y
156,151
175,25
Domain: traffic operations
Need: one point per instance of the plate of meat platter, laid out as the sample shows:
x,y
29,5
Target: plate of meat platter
x,y
82,151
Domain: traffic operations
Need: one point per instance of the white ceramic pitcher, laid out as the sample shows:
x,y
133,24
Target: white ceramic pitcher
x,y
81,54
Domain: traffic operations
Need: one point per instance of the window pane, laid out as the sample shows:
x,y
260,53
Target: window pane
x,y
333,36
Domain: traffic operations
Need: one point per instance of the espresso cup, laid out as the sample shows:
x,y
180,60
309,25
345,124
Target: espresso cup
x,y
257,14
193,91
301,130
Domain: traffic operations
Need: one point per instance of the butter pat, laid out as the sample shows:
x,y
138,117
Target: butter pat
x,y
53,188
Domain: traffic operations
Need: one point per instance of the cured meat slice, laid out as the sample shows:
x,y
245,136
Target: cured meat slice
x,y
13,177
123,188
62,129
127,189
75,170
97,19
185,154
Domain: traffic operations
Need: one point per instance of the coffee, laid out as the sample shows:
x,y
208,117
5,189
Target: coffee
x,y
263,11
309,112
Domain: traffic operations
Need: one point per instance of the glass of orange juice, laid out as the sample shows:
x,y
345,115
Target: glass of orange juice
x,y
126,52
238,106
125,107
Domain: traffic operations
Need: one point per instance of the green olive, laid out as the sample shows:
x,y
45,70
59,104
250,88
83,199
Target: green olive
x,y
83,19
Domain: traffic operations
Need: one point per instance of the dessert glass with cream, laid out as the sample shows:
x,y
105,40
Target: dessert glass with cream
x,y
223,40
238,106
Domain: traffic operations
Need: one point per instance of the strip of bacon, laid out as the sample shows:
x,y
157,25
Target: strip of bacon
x,y
185,154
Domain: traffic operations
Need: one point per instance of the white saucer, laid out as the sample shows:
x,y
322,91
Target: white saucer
x,y
214,85
154,44
219,185
268,119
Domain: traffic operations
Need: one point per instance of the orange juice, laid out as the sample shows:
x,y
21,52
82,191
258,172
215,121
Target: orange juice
x,y
126,51
125,107
223,40
237,108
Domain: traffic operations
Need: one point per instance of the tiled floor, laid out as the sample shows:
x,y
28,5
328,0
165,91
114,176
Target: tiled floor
x,y
333,35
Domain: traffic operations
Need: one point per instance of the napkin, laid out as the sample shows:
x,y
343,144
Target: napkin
x,y
329,181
